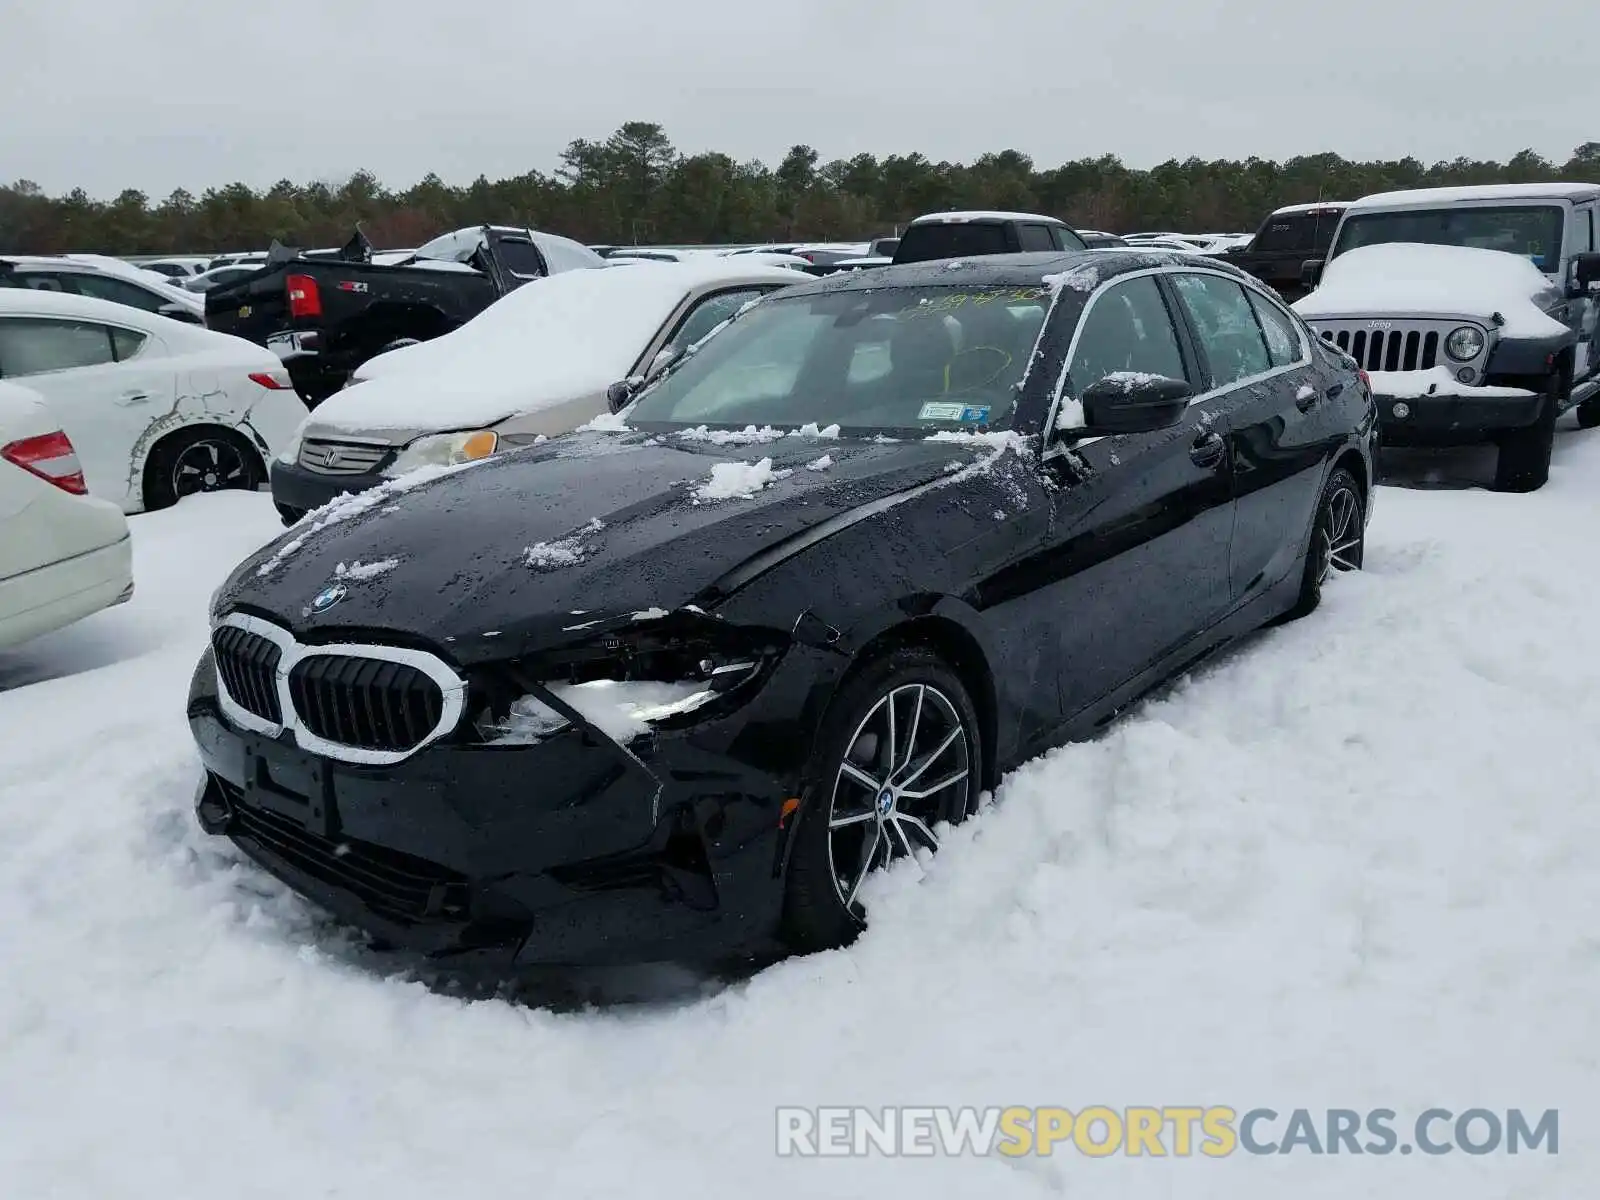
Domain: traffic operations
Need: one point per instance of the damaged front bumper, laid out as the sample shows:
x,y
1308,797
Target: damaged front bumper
x,y
571,852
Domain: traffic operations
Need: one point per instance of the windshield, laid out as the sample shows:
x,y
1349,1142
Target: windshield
x,y
920,359
1530,230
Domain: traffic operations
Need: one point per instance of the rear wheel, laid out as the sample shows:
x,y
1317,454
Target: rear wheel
x,y
192,461
1524,463
1589,413
1338,539
898,754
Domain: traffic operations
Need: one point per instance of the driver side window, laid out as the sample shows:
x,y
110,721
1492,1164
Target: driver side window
x,y
1127,328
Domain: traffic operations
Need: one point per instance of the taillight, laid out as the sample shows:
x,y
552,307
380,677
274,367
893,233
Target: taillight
x,y
304,298
273,381
52,458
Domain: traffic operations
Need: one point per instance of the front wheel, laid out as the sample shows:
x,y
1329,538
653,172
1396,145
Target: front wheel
x,y
1338,540
192,461
1524,462
898,754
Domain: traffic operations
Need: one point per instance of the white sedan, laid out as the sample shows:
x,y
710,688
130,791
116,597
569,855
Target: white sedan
x,y
536,363
63,554
158,409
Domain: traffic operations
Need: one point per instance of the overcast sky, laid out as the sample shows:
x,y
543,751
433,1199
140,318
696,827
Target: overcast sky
x,y
157,94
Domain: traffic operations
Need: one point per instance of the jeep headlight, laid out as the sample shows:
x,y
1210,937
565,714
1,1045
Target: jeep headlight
x,y
1464,344
444,450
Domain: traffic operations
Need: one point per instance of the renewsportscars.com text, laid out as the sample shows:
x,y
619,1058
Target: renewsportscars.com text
x,y
1215,1131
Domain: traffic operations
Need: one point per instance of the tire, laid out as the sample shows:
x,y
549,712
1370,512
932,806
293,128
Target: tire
x,y
1524,462
1338,539
1589,413
289,515
205,459
845,776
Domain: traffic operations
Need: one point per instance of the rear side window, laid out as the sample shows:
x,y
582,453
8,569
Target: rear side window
x,y
1036,237
1068,239
125,343
104,287
1127,328
521,258
955,240
35,345
1232,339
1278,327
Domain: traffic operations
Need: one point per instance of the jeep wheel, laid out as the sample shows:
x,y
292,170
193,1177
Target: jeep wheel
x,y
1524,464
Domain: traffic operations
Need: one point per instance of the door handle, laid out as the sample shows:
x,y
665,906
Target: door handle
x,y
133,397
1207,450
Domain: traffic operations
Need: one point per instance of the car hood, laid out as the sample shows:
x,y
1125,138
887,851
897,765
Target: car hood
x,y
530,548
1404,279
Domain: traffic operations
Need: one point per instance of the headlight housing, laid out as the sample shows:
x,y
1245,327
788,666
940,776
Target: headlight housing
x,y
1464,344
290,454
669,671
445,450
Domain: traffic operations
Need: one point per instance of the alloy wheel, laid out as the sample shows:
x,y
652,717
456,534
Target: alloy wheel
x,y
1340,542
908,761
209,466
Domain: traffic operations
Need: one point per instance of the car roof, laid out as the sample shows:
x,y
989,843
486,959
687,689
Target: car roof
x,y
1011,270
1429,197
1302,208
69,304
967,217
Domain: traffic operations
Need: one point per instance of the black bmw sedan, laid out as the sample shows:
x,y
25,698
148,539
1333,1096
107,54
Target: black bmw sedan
x,y
673,686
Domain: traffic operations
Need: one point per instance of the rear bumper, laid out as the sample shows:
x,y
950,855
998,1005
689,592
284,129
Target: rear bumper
x,y
54,596
296,491
1446,419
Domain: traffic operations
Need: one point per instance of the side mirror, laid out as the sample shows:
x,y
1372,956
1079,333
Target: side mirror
x,y
1311,272
1585,269
1128,402
619,393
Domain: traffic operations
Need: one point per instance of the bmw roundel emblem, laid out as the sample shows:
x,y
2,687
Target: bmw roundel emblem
x,y
885,802
328,597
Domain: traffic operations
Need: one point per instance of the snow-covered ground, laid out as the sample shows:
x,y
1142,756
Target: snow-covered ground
x,y
1349,865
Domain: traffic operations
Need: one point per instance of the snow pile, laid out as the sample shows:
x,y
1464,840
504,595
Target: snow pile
x,y
810,430
749,435
1434,381
1126,381
358,571
1347,864
1406,278
738,481
563,552
352,504
606,422
1083,278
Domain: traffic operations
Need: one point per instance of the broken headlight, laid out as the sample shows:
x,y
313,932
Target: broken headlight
x,y
658,674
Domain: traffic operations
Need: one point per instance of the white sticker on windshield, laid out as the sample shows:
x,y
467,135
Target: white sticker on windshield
x,y
940,412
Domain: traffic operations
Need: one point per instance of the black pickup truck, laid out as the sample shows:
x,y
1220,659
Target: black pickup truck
x,y
1287,238
967,234
324,317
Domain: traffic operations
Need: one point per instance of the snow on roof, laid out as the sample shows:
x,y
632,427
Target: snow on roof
x,y
549,342
152,280
1412,278
956,218
1296,208
1427,197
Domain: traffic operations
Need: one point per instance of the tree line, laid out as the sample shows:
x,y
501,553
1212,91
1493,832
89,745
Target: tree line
x,y
635,187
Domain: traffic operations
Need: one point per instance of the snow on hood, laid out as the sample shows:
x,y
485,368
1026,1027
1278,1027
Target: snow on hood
x,y
1413,278
548,343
